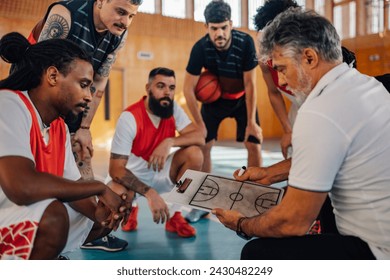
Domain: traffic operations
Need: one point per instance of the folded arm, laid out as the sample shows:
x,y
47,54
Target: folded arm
x,y
189,136
35,186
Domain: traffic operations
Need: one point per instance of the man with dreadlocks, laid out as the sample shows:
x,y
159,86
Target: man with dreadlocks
x,y
41,203
100,28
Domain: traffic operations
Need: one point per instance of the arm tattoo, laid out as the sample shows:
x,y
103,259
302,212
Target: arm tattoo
x,y
55,27
105,68
132,183
129,180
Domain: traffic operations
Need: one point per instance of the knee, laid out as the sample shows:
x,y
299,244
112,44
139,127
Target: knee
x,y
195,155
54,225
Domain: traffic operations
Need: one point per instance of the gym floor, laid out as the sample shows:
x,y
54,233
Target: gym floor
x,y
151,242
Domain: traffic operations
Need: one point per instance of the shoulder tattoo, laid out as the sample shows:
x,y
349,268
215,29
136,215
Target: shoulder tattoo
x,y
55,27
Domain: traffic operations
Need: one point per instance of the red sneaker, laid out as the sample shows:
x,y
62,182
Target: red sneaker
x,y
132,221
179,225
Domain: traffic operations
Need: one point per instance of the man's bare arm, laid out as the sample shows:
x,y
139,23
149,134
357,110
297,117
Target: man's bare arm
x,y
190,135
190,82
100,82
121,175
57,24
292,217
35,186
276,99
252,127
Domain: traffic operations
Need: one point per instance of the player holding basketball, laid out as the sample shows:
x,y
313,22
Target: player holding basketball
x,y
141,159
231,55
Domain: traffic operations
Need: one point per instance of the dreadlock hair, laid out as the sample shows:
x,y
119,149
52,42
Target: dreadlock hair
x,y
269,10
30,61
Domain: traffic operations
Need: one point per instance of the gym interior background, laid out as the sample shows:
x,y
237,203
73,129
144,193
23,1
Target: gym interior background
x,y
164,31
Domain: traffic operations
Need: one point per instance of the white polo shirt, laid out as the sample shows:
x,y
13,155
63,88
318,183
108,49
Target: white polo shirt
x,y
341,142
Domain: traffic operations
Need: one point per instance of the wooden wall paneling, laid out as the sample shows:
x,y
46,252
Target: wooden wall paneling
x,y
169,40
370,54
24,9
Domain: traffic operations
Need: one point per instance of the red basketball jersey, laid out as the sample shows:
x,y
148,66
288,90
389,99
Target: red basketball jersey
x,y
48,157
148,137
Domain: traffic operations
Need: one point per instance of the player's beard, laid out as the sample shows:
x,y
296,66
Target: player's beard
x,y
159,110
71,117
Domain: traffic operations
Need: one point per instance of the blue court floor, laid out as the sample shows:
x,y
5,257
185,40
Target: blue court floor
x,y
151,242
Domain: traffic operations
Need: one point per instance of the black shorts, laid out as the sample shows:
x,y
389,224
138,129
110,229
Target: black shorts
x,y
214,113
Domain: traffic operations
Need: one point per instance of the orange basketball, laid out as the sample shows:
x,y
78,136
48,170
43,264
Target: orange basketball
x,y
207,89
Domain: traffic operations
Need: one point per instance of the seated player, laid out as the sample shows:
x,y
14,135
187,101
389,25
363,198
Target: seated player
x,y
44,212
141,159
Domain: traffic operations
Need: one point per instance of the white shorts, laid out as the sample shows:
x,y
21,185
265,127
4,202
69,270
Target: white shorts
x,y
19,225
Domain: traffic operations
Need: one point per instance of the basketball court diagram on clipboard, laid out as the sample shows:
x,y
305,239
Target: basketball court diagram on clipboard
x,y
211,191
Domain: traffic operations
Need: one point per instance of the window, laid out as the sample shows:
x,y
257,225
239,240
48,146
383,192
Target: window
x,y
344,19
174,8
235,5
148,7
319,7
301,3
252,9
375,16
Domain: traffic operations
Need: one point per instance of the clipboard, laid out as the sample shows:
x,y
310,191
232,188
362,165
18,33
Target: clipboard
x,y
205,191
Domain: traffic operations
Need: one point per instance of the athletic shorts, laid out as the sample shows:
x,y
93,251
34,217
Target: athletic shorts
x,y
214,113
19,226
160,181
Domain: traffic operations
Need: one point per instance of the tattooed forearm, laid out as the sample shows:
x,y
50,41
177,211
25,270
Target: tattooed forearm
x,y
105,68
132,183
55,27
128,180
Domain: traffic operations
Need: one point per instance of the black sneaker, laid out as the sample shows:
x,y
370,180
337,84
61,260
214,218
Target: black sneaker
x,y
63,258
108,243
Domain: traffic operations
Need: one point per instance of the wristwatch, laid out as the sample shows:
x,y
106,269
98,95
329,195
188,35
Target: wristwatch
x,y
239,231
